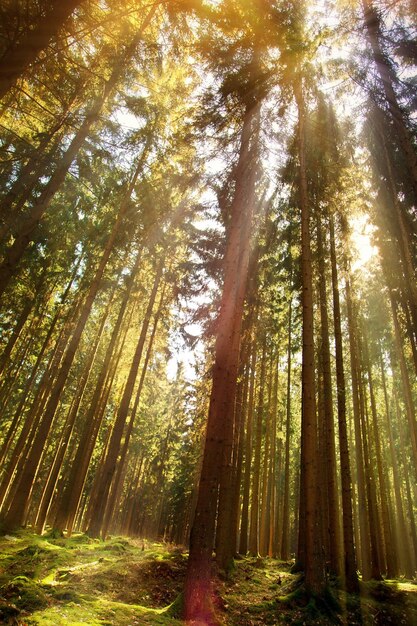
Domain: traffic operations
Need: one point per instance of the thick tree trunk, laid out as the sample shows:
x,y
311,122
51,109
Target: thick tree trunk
x,y
332,527
198,585
226,535
309,527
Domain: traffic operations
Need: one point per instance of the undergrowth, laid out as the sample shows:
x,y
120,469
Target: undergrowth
x,y
54,581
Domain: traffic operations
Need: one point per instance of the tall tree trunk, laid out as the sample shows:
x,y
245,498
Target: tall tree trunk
x,y
350,565
309,526
34,414
117,483
373,512
406,385
4,358
363,513
390,557
109,466
72,492
403,547
17,511
68,428
285,541
332,525
410,503
272,539
32,172
18,414
254,502
244,526
198,584
241,412
270,427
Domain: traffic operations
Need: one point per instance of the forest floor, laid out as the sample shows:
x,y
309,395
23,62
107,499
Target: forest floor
x,y
48,581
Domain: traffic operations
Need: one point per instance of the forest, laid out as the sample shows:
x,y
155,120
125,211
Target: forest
x,y
208,312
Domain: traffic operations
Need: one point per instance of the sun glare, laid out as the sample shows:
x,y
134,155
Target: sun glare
x,y
364,252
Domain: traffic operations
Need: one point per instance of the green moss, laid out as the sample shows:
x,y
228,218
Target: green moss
x,y
296,597
115,547
25,594
175,609
120,582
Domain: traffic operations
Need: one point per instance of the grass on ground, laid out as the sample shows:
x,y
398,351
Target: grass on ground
x,y
52,581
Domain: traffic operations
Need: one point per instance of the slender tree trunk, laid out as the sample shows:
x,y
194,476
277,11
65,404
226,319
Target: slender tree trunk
x,y
390,557
272,539
15,335
373,513
286,500
72,492
410,504
270,425
109,466
406,386
241,412
363,514
33,416
18,415
17,511
117,483
244,526
254,502
403,547
61,448
350,565
405,244
35,168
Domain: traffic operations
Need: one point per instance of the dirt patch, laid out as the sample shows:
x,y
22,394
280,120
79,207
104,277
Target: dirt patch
x,y
149,583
